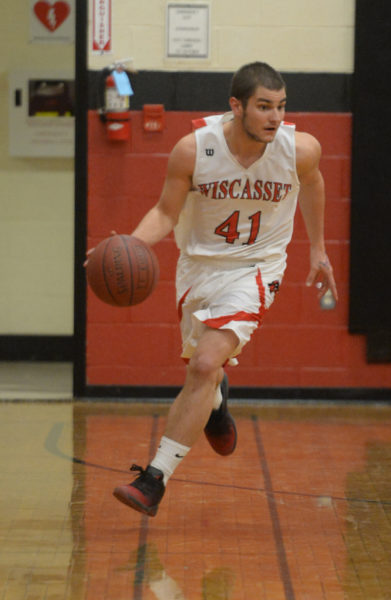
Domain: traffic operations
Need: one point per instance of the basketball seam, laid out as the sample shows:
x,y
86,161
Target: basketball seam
x,y
130,269
150,269
104,271
154,267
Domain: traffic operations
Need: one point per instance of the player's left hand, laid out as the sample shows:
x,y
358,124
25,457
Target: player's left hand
x,y
321,274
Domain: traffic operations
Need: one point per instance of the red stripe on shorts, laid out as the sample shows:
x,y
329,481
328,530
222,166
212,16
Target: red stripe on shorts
x,y
180,304
242,315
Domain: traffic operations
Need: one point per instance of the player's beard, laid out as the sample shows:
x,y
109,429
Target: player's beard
x,y
253,136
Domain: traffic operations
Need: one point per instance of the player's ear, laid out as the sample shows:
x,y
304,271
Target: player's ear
x,y
236,106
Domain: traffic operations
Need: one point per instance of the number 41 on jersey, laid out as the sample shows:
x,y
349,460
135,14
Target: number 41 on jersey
x,y
229,228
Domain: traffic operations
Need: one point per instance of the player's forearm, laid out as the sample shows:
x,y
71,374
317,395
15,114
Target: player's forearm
x,y
312,205
154,226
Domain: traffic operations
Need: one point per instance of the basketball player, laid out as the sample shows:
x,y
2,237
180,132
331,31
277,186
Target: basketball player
x,y
230,195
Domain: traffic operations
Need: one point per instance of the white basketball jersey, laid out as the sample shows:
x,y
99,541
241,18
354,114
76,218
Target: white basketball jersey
x,y
237,213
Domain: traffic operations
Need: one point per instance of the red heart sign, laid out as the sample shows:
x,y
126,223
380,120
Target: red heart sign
x,y
52,15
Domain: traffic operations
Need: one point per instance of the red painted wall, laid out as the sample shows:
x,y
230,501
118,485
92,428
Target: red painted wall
x,y
299,345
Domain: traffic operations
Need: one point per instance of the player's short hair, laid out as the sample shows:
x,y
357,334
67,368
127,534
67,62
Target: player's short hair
x,y
246,80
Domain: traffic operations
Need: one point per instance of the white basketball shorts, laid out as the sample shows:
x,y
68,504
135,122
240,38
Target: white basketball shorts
x,y
213,293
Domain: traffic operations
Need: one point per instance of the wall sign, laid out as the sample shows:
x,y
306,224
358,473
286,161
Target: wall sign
x,y
187,32
41,113
52,21
101,26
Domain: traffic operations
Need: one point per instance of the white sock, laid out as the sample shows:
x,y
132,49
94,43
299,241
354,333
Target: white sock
x,y
218,398
168,457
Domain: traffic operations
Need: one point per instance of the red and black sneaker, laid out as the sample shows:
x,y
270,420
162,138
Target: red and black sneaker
x,y
145,492
220,430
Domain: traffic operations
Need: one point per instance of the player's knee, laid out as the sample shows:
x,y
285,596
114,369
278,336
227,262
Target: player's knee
x,y
202,366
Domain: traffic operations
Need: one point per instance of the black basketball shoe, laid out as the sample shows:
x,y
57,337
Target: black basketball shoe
x,y
145,492
220,430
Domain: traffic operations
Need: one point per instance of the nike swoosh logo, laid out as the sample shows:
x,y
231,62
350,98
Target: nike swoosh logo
x,y
179,456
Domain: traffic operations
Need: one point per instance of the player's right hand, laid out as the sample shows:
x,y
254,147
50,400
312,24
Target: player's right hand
x,y
91,250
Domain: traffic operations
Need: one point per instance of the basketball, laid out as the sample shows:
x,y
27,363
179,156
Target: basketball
x,y
122,270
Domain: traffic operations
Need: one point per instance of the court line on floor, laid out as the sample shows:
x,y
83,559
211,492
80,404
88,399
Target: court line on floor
x,y
139,575
275,519
51,445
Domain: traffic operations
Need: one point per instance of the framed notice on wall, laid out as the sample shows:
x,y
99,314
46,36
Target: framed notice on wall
x,y
187,31
41,113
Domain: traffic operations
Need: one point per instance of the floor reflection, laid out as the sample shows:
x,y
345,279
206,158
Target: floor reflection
x,y
368,523
301,510
149,570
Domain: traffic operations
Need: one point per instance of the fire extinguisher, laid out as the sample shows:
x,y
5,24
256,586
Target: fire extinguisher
x,y
116,110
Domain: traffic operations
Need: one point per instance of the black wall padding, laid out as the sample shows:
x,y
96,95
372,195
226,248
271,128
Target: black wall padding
x,y
370,263
209,91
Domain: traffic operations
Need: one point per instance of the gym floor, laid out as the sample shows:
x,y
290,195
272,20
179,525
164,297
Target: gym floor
x,y
300,511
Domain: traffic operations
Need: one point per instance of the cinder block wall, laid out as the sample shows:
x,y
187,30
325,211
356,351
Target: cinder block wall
x,y
37,200
299,344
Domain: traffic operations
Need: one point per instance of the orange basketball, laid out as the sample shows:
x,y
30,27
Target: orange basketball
x,y
122,270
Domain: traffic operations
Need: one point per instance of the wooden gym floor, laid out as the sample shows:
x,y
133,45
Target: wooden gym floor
x,y
301,510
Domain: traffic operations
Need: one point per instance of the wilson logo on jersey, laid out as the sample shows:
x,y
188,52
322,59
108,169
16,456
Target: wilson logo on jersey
x,y
209,151
269,191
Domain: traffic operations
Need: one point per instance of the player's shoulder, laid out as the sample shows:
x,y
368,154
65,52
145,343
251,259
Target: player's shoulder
x,y
306,143
183,154
186,144
308,149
